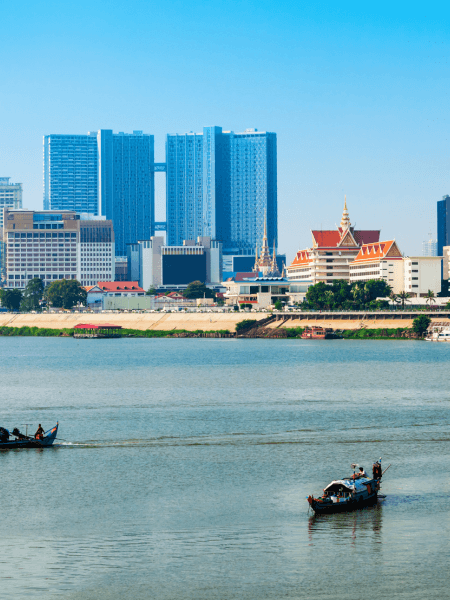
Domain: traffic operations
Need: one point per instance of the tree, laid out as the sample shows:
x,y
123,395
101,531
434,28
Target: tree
x,y
403,297
278,305
421,324
32,295
66,293
197,289
394,298
376,288
430,296
315,296
11,298
152,291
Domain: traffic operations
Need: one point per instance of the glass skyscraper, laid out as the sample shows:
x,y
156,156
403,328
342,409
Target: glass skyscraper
x,y
127,185
222,184
443,224
104,173
71,173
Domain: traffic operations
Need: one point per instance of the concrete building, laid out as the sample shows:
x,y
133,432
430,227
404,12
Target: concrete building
x,y
71,173
161,266
381,260
220,184
446,263
10,196
422,273
331,253
260,292
56,245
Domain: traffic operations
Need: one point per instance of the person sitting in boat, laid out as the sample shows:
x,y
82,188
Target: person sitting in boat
x,y
19,435
376,470
360,473
39,435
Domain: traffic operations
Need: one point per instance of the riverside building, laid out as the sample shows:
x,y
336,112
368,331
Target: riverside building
x,y
56,245
422,274
154,264
381,260
220,184
332,251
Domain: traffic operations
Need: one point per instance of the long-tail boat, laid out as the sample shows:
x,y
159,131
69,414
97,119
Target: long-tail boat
x,y
349,493
24,441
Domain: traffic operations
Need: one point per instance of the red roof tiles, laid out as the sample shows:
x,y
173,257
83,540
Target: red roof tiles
x,y
120,286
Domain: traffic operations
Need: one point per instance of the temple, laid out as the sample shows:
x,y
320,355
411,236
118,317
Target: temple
x,y
331,252
266,264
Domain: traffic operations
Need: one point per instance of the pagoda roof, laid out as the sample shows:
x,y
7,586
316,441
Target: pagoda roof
x,y
378,250
330,238
301,259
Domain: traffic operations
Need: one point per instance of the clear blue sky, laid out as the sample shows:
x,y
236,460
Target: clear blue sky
x,y
358,94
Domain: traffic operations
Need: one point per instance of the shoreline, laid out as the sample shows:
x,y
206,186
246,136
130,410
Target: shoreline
x,y
252,332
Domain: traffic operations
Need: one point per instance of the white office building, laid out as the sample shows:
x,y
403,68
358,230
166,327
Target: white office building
x,y
422,273
10,196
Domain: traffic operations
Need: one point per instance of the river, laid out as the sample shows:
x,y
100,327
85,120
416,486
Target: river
x,y
184,465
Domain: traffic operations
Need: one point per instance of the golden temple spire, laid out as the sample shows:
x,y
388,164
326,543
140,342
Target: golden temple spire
x,y
345,221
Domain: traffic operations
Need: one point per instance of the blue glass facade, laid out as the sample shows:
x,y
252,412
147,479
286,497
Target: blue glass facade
x,y
127,185
443,224
222,184
71,173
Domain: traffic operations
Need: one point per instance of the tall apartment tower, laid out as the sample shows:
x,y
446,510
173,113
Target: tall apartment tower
x,y
71,173
443,224
10,196
127,185
106,174
221,184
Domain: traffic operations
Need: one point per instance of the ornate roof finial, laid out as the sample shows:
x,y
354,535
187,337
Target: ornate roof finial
x,y
345,221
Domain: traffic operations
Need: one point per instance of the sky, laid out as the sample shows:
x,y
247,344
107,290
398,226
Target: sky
x,y
357,93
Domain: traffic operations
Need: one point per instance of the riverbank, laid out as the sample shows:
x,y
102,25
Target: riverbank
x,y
205,322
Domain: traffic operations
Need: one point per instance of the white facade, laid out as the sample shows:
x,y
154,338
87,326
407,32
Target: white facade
x,y
422,273
259,292
389,270
10,196
96,262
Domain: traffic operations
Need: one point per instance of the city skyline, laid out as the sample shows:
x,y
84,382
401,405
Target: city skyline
x,y
358,98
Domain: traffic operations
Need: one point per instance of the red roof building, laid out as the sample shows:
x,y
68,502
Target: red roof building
x,y
380,260
331,252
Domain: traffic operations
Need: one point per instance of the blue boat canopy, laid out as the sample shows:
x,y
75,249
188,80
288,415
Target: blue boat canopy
x,y
357,484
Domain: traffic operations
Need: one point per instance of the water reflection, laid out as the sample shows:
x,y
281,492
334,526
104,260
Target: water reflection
x,y
365,523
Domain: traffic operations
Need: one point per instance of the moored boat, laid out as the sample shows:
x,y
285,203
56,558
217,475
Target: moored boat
x,y
319,333
348,493
24,441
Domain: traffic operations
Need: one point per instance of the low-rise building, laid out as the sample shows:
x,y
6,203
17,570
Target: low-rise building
x,y
260,292
382,260
421,274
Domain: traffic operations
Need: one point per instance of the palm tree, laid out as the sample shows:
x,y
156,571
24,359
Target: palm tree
x,y
394,297
403,297
430,296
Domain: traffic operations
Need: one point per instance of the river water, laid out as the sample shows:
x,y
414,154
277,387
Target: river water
x,y
184,467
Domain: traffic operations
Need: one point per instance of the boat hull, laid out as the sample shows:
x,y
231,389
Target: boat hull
x,y
326,508
31,442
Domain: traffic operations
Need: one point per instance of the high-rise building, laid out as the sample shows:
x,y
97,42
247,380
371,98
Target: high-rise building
x,y
221,184
103,173
429,248
10,196
127,185
71,173
55,245
443,224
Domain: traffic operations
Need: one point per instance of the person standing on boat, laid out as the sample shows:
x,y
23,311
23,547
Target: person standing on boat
x,y
39,435
376,470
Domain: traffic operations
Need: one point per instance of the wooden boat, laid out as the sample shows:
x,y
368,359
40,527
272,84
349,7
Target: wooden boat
x,y
346,494
319,333
24,441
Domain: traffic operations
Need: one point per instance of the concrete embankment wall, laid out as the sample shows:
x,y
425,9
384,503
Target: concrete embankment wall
x,y
187,321
143,321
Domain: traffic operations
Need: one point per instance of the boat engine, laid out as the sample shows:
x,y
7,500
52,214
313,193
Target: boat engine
x,y
4,434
